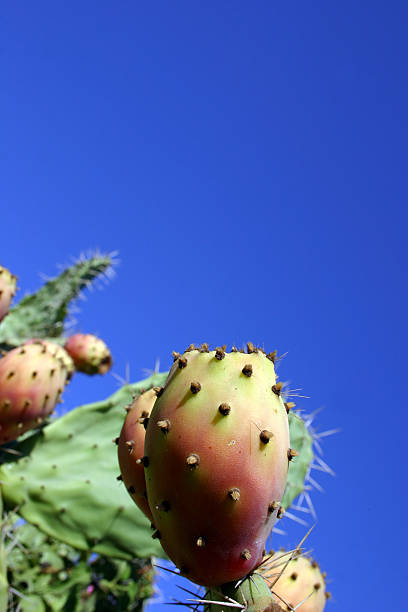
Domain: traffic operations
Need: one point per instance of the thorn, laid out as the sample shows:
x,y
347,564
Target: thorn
x,y
294,576
10,374
219,353
234,494
251,348
115,441
39,420
272,356
277,388
247,370
119,477
176,355
289,406
20,425
130,444
144,461
201,542
143,420
158,391
234,349
132,489
190,348
328,595
156,535
195,387
164,425
34,374
265,436
193,460
224,409
164,505
292,453
281,512
272,506
317,586
246,554
182,362
204,348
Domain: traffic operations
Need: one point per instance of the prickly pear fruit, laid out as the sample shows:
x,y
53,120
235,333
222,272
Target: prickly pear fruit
x,y
58,351
90,354
131,449
216,461
301,581
252,594
31,382
7,290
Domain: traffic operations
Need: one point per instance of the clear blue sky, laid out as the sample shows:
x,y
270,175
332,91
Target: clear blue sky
x,y
248,160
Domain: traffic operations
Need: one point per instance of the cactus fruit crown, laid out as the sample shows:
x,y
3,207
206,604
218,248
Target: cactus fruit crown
x,y
216,459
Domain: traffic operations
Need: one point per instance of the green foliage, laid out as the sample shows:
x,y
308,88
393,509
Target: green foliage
x,y
65,482
42,314
301,441
51,576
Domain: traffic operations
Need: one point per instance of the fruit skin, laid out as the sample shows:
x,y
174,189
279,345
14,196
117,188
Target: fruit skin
x,y
7,290
58,351
89,353
31,383
131,449
302,577
222,485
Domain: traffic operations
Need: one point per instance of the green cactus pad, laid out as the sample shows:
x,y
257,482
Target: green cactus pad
x,y
52,576
42,314
65,481
251,595
301,441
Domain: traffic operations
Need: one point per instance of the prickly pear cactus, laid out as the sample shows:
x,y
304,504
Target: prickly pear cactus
x,y
216,460
42,314
32,380
65,481
58,351
131,448
7,290
300,439
89,353
47,574
297,582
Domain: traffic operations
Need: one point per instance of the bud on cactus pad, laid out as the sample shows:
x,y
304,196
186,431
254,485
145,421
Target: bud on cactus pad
x,y
7,290
90,354
58,351
31,382
216,461
250,595
301,581
131,448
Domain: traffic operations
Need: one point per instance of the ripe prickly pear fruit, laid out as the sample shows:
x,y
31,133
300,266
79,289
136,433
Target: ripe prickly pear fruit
x,y
216,461
31,383
90,354
252,594
131,449
58,351
7,290
301,581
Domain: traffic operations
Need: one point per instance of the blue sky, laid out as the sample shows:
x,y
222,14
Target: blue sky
x,y
248,161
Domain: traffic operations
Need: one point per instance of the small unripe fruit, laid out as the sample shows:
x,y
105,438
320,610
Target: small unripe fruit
x,y
89,353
